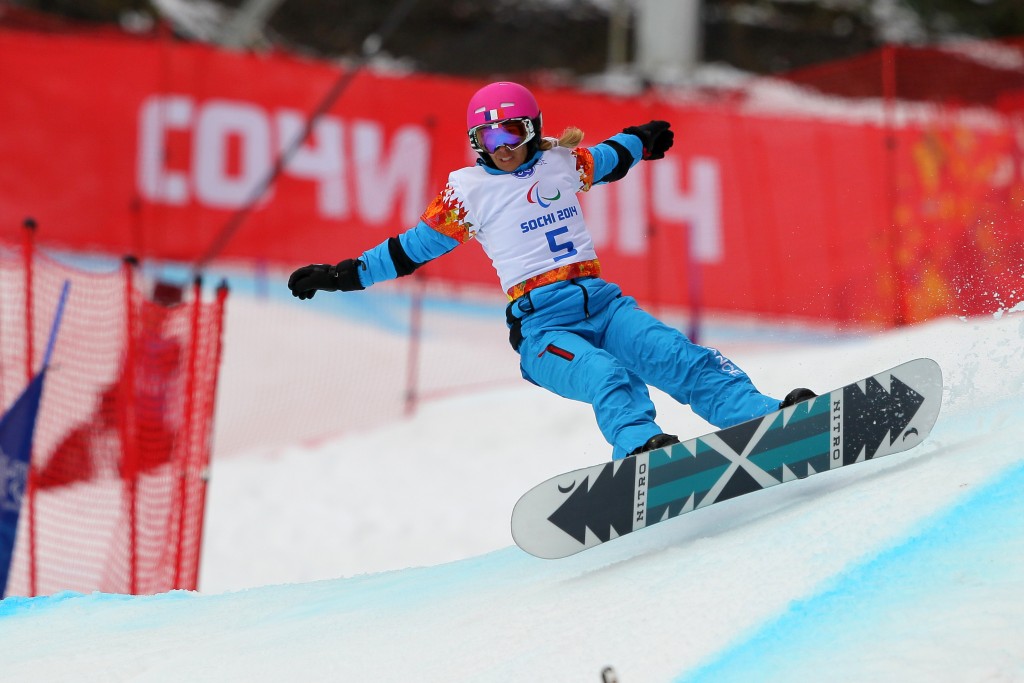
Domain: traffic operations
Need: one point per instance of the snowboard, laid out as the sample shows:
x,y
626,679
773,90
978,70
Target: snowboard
x,y
886,413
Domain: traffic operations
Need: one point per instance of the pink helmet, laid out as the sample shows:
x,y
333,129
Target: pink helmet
x,y
499,101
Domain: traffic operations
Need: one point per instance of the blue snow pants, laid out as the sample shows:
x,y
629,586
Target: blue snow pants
x,y
584,340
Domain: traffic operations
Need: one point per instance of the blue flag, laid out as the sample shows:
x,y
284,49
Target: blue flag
x,y
16,429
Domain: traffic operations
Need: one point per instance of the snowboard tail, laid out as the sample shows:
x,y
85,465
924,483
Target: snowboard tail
x,y
886,413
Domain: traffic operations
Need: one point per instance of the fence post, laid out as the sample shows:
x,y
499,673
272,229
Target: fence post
x,y
203,467
412,367
190,426
653,252
695,283
28,256
127,422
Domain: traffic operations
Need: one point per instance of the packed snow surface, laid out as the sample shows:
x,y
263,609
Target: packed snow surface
x,y
384,554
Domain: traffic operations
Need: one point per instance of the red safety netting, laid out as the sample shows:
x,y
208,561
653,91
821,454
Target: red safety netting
x,y
116,490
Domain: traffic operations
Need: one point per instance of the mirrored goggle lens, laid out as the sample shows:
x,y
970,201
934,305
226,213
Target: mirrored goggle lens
x,y
509,134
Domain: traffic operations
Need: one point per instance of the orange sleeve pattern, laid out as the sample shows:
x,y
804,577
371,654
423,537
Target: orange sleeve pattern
x,y
585,167
447,215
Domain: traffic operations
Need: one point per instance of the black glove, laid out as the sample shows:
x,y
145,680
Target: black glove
x,y
655,136
305,281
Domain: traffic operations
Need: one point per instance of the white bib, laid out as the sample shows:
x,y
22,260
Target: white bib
x,y
528,222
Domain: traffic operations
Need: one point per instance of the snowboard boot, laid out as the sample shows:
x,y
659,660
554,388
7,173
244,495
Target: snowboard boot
x,y
796,396
655,442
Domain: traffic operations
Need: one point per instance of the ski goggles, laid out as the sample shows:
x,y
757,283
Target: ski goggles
x,y
511,133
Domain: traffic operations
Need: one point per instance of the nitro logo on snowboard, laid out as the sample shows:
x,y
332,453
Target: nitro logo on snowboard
x,y
641,493
837,432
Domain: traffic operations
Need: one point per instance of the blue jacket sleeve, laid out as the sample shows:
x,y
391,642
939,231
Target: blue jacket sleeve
x,y
615,156
398,256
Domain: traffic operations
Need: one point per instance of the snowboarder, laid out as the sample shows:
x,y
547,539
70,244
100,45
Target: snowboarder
x,y
577,334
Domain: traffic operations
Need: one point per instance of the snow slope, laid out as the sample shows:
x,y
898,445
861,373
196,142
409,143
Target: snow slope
x,y
908,568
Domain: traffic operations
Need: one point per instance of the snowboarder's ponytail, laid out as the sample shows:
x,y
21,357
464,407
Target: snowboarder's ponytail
x,y
570,139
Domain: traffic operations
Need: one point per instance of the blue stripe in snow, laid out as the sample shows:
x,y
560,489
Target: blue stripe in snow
x,y
869,609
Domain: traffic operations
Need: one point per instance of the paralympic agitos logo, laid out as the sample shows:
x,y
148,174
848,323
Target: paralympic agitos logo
x,y
534,196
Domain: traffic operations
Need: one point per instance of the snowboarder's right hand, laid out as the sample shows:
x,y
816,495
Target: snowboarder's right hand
x,y
305,281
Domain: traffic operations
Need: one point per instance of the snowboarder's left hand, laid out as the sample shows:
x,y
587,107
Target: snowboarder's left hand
x,y
656,137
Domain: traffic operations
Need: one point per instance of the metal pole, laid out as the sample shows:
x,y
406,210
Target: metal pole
x,y
668,37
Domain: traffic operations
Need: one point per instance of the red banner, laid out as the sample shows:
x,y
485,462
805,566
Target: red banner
x,y
152,147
